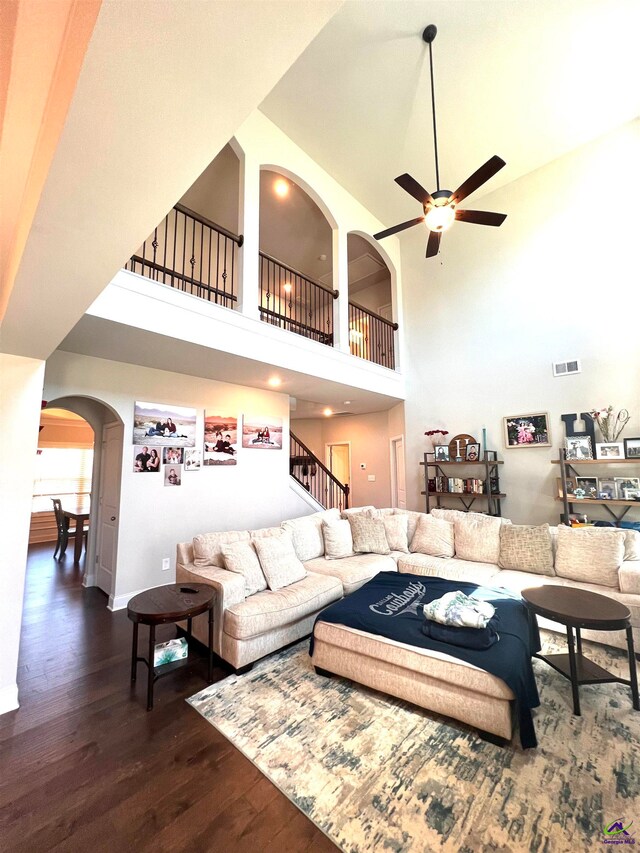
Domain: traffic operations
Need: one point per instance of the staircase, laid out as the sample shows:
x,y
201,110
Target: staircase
x,y
307,470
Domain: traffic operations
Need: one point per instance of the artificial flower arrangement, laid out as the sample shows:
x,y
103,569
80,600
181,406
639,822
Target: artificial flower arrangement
x,y
611,425
437,432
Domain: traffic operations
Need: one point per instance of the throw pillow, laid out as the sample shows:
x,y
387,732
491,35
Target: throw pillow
x,y
478,538
241,558
338,541
590,554
279,562
306,533
450,514
433,536
368,535
526,548
395,529
207,547
357,510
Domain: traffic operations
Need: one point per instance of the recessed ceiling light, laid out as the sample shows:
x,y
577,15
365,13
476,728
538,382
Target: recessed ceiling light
x,y
347,402
327,412
275,382
281,188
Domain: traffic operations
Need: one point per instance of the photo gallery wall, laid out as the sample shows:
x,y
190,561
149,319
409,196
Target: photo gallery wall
x,y
164,439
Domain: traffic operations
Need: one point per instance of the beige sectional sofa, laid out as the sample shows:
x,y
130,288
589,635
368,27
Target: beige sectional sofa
x,y
448,544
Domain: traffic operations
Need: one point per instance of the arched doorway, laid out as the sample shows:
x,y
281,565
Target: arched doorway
x,y
108,429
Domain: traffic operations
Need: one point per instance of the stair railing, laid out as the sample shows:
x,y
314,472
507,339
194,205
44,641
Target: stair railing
x,y
315,477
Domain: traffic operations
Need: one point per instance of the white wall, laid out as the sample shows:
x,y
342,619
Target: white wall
x,y
487,317
20,396
153,518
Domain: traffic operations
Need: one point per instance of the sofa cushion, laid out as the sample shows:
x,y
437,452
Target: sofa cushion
x,y
241,558
526,548
266,531
353,571
368,535
207,547
590,554
306,533
412,520
477,538
338,542
450,568
271,610
632,545
279,562
433,536
629,577
450,514
396,531
358,510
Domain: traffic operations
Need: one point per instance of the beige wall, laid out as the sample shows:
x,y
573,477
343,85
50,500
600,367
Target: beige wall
x,y
489,316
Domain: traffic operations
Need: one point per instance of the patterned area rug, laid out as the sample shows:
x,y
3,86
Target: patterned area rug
x,y
377,774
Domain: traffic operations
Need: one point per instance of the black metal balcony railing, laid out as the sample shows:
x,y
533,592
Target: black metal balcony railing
x,y
295,302
193,254
316,478
372,336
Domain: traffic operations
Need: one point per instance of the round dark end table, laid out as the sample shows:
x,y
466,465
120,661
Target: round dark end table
x,y
159,606
577,609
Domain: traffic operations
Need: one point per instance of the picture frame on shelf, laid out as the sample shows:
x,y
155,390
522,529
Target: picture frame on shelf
x,y
472,452
632,448
625,483
572,485
632,494
589,485
579,447
606,488
529,430
441,452
609,450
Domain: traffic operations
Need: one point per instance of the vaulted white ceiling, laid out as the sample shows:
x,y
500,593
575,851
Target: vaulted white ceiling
x,y
528,81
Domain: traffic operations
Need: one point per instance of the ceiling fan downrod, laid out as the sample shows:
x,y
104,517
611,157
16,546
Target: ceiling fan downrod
x,y
429,35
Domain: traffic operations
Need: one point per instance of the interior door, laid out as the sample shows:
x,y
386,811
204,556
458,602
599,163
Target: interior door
x,y
339,462
107,539
398,480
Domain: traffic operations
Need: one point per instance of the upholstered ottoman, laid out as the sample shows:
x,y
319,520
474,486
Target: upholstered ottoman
x,y
434,681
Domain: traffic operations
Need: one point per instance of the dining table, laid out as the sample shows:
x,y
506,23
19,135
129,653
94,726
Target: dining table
x,y
78,512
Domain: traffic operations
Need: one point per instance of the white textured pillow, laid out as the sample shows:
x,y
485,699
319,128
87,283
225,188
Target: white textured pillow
x,y
433,536
241,558
368,535
526,548
338,541
412,520
590,554
358,510
279,562
395,529
478,538
632,545
449,514
207,547
306,533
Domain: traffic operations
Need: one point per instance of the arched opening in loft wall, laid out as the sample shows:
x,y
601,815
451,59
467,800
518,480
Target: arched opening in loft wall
x,y
296,262
195,247
371,303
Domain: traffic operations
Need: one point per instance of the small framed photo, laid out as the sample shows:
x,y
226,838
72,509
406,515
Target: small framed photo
x,y
625,484
589,486
632,494
610,450
441,452
172,455
579,447
607,489
632,448
472,452
173,475
192,459
527,430
572,485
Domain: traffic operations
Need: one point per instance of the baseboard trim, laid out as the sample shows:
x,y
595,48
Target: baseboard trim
x,y
9,699
119,602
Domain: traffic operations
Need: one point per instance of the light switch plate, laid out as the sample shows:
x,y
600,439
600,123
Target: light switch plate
x,y
371,478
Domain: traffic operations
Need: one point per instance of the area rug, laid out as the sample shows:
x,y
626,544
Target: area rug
x,y
377,774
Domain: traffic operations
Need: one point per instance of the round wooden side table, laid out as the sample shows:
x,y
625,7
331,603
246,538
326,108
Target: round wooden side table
x,y
159,606
576,609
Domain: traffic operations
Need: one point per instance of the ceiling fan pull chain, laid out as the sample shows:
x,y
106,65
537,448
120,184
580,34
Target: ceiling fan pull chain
x,y
433,110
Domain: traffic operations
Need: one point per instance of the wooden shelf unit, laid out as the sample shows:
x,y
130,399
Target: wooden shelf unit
x,y
489,464
568,504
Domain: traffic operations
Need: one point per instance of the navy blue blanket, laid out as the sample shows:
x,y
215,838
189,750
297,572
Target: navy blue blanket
x,y
389,606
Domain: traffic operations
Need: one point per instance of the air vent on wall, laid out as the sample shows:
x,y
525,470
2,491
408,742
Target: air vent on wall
x,y
565,368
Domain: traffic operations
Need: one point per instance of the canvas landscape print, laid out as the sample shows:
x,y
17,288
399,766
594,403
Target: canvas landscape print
x,y
262,433
220,439
159,425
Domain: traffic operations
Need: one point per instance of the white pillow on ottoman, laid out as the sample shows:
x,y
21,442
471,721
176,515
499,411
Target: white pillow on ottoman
x,y
279,562
590,554
433,536
241,558
478,538
338,541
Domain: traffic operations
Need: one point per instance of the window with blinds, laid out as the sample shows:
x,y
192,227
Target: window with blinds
x,y
63,472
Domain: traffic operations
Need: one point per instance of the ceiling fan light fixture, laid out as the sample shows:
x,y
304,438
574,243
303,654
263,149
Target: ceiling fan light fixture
x,y
440,217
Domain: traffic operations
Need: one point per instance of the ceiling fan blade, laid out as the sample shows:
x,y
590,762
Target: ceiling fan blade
x,y
490,168
481,217
433,244
401,227
411,186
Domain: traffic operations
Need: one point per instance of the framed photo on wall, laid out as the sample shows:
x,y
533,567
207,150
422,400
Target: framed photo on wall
x,y
527,430
262,433
160,425
220,439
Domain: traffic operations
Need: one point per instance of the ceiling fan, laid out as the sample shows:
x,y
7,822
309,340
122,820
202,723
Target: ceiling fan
x,y
441,207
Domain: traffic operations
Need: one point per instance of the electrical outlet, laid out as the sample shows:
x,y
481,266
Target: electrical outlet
x,y
166,563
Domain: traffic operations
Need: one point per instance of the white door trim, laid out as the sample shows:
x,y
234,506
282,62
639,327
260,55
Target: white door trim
x,y
392,462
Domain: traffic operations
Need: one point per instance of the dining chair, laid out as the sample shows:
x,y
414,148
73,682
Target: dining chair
x,y
64,531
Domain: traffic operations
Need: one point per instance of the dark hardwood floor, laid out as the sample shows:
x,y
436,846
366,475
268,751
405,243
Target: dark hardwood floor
x,y
84,767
